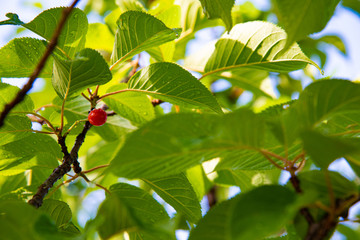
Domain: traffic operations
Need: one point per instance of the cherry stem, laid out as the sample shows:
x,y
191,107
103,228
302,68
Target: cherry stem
x,y
96,168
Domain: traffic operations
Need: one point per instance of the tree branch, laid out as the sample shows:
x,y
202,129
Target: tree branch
x,y
50,48
68,160
322,228
304,211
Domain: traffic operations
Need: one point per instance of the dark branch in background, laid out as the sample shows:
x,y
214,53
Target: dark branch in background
x,y
323,227
50,48
156,102
135,64
211,196
304,211
68,160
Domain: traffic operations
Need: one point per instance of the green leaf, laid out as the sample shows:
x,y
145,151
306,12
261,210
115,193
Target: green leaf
x,y
99,37
12,187
170,82
171,18
315,183
32,225
14,128
336,41
78,109
20,56
15,156
176,142
262,211
87,69
257,45
14,227
348,232
324,149
131,105
215,224
272,139
13,20
246,179
59,211
353,5
138,31
248,79
192,20
164,146
126,5
252,215
45,227
130,209
177,191
319,102
219,9
101,155
301,18
198,179
73,35
7,94
69,229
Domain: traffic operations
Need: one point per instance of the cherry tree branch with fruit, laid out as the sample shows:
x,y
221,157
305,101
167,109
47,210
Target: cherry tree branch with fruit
x,y
143,114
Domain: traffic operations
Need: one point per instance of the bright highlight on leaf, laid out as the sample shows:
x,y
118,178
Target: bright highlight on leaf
x,y
138,31
257,45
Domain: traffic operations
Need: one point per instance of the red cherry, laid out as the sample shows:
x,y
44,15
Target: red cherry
x,y
97,117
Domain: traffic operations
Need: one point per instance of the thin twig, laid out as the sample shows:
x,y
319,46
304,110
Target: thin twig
x,y
96,168
330,191
82,94
50,48
74,125
102,187
113,93
284,160
346,133
301,155
27,130
44,106
61,184
265,154
304,211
